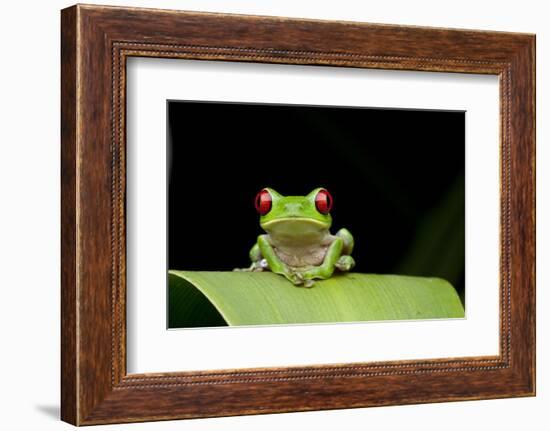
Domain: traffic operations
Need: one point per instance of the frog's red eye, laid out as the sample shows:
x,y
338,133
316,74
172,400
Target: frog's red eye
x,y
323,201
263,202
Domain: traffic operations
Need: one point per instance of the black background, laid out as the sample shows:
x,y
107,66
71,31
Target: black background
x,y
396,176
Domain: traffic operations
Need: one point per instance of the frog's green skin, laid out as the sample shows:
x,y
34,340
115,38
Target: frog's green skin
x,y
297,242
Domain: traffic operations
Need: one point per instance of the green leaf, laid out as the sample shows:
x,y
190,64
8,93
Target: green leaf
x,y
438,248
210,298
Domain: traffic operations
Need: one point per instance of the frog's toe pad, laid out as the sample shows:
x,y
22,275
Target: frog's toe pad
x,y
345,263
257,266
308,283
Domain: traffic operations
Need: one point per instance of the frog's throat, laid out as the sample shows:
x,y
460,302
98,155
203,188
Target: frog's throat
x,y
295,226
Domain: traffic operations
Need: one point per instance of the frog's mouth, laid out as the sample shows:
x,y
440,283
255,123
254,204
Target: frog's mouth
x,y
295,226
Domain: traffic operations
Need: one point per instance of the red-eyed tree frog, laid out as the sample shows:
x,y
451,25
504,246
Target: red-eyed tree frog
x,y
297,243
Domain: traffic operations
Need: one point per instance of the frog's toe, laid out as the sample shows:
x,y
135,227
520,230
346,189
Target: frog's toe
x,y
309,283
345,263
263,264
295,278
255,266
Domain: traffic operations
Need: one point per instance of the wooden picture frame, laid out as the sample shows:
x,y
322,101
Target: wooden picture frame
x,y
95,43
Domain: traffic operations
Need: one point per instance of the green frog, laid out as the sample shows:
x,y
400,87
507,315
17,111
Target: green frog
x,y
297,243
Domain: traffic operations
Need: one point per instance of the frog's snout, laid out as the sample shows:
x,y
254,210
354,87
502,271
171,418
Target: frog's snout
x,y
293,209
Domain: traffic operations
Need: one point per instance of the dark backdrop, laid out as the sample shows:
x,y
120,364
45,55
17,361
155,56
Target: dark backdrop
x,y
396,176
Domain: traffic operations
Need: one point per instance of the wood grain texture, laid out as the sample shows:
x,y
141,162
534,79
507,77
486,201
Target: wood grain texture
x,y
69,366
96,41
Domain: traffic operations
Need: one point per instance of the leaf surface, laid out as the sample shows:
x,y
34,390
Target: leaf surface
x,y
210,298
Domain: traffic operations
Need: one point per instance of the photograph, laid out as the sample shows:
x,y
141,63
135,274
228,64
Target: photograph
x,y
299,214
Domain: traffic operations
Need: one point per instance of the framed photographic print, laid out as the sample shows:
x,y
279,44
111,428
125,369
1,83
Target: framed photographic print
x,y
265,214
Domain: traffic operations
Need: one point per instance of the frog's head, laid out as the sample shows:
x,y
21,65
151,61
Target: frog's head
x,y
294,216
